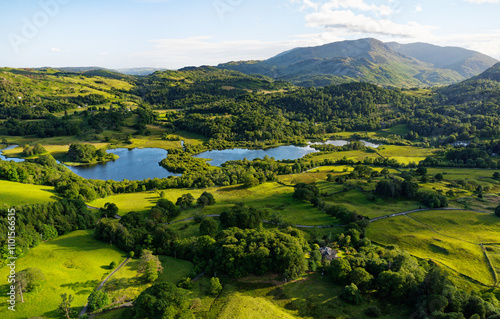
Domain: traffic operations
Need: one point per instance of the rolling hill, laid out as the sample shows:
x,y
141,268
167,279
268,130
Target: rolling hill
x,y
370,60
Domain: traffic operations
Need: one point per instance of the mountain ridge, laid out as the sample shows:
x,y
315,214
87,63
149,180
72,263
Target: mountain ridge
x,y
369,60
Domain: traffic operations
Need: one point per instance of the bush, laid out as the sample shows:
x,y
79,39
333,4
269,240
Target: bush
x,y
112,265
97,300
215,287
373,312
351,294
185,283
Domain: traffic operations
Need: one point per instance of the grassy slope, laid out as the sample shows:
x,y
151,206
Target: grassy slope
x,y
308,297
75,264
126,285
272,196
14,194
450,238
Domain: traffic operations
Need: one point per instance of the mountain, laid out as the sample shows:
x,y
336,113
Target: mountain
x,y
139,71
492,74
369,60
483,89
466,62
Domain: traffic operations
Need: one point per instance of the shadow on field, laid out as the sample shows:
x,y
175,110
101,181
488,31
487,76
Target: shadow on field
x,y
80,242
82,284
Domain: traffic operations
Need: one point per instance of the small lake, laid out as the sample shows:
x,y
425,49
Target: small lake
x,y
15,159
344,143
289,152
135,164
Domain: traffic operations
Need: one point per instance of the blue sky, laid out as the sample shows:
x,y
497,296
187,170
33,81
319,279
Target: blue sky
x,y
176,33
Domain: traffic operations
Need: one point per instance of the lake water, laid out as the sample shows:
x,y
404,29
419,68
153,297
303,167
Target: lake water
x,y
135,164
2,157
279,153
139,164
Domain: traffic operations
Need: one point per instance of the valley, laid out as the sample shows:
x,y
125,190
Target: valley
x,y
244,196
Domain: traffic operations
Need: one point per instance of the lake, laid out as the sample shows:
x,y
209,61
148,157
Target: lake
x,y
135,164
139,164
289,152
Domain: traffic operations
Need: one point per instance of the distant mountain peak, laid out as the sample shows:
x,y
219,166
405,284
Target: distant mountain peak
x,y
370,60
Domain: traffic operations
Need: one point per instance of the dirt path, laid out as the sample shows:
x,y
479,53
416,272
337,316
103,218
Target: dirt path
x,y
84,310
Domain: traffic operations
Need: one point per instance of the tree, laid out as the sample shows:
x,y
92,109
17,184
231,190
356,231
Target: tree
x,y
110,209
205,199
497,211
208,227
65,306
149,265
421,170
98,299
339,270
185,201
162,300
215,287
249,180
439,177
360,277
496,175
351,294
28,280
112,265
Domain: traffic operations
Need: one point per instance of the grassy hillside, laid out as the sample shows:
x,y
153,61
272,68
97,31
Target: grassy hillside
x,y
451,238
14,194
74,264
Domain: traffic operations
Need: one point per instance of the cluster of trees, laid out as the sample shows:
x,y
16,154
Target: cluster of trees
x,y
396,276
243,217
37,149
87,153
397,188
44,222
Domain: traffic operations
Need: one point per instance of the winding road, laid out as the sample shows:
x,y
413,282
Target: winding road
x,y
84,310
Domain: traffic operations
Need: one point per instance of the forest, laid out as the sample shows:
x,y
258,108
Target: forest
x,y
406,151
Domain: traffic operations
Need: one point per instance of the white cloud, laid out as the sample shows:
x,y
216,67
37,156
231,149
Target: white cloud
x,y
173,53
482,1
55,50
361,5
418,8
348,21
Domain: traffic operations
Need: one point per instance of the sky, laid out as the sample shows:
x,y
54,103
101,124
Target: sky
x,y
176,33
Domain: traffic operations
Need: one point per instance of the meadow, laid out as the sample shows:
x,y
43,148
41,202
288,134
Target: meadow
x,y
74,264
126,284
14,194
272,196
450,238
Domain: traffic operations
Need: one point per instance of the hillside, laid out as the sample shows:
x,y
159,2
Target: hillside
x,y
483,89
369,60
467,63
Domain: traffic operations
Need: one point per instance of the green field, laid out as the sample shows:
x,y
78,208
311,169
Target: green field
x,y
450,238
405,154
308,297
271,196
74,264
125,284
14,194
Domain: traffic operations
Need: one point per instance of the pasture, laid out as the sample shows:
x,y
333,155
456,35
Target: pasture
x,y
14,194
74,264
271,196
450,238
